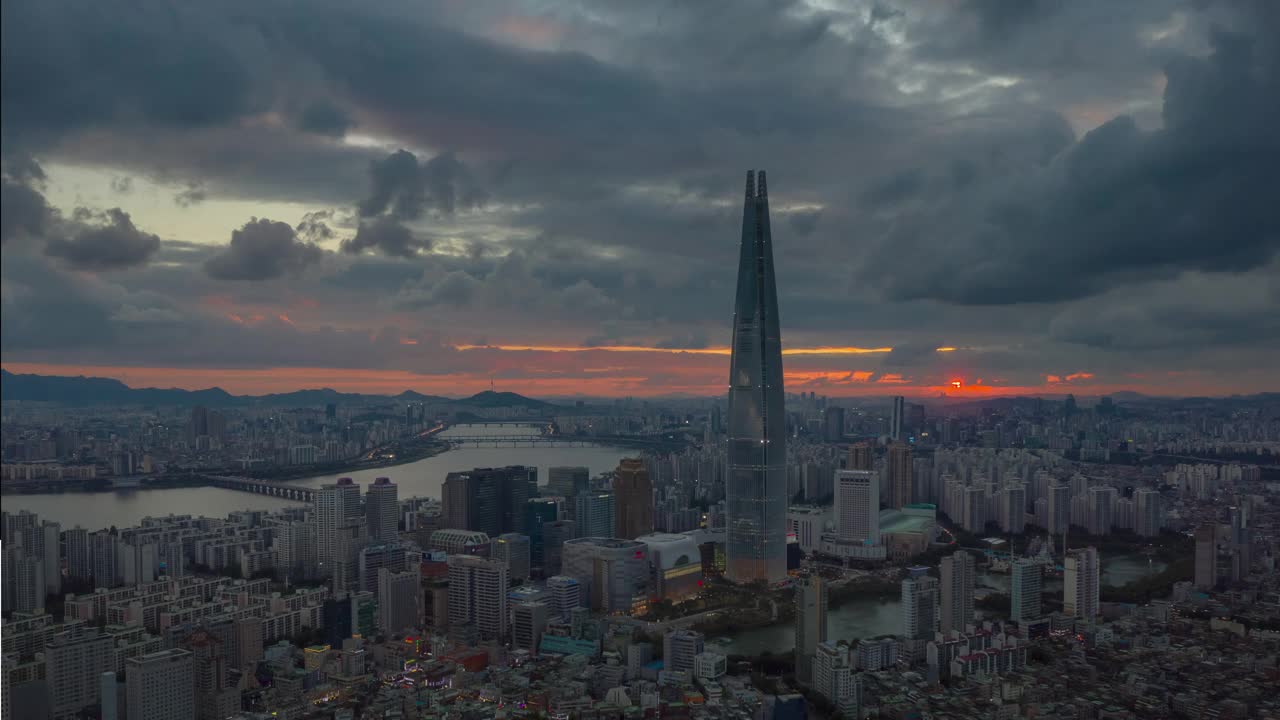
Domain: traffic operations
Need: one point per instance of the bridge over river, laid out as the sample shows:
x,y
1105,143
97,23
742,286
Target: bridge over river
x,y
274,488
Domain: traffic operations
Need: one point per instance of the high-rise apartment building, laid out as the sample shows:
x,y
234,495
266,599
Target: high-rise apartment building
x,y
478,595
958,580
1080,584
336,506
861,457
633,499
811,622
215,697
900,475
834,679
23,581
79,553
1025,588
1059,509
919,605
160,686
1206,573
1148,512
1013,511
1102,503
757,475
857,506
73,662
382,511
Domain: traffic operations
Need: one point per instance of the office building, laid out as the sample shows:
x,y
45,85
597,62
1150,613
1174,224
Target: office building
x,y
528,620
488,500
564,596
568,482
1025,589
857,506
680,648
460,542
958,580
400,601
160,686
512,549
478,595
393,557
382,511
613,572
594,514
538,511
554,536
1080,584
811,623
900,475
633,499
756,483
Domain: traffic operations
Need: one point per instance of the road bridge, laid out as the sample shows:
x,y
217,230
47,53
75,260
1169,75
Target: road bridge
x,y
285,491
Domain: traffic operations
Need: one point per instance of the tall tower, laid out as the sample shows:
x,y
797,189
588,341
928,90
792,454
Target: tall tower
x,y
811,623
900,475
957,592
382,510
1080,578
757,477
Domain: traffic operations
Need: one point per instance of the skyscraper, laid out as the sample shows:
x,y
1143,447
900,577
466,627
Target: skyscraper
x,y
1148,513
568,481
897,418
1025,590
1080,584
811,623
490,500
757,474
899,465
595,514
399,600
633,499
957,591
478,595
382,510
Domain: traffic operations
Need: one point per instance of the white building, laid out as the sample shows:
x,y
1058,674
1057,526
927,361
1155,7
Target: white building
x,y
808,524
679,648
675,565
336,506
710,666
160,686
73,662
835,680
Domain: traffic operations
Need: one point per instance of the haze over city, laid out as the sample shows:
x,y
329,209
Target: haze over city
x,y
1019,197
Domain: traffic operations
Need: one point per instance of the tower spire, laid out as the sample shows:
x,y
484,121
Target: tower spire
x,y
751,184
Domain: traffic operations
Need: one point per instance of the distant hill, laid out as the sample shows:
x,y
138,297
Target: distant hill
x,y
80,391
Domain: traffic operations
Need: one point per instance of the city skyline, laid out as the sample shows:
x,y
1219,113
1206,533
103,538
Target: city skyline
x,y
971,197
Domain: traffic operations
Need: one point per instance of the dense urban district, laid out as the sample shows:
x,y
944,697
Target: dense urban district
x,y
1106,558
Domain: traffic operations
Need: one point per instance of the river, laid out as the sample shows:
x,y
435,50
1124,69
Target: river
x,y
123,508
870,617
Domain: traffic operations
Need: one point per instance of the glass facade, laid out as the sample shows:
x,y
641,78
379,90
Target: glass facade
x,y
757,477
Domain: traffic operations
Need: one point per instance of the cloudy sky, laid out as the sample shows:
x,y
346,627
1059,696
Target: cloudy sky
x,y
1022,197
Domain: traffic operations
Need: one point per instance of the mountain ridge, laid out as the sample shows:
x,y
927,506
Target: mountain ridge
x,y
81,390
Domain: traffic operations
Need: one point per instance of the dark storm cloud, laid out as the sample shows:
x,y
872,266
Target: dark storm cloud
x,y
102,241
262,250
193,194
405,189
388,236
23,210
1122,204
325,118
